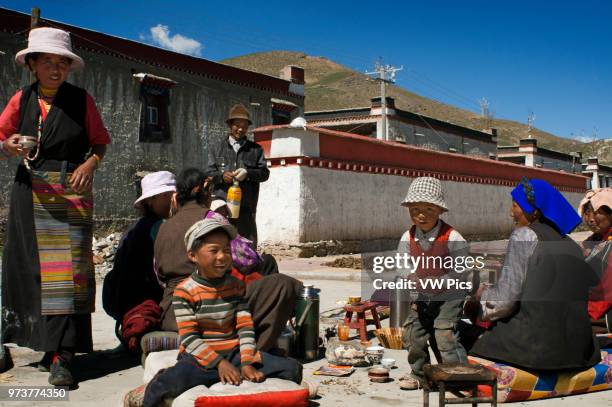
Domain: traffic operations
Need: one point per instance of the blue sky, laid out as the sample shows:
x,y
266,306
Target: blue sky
x,y
551,58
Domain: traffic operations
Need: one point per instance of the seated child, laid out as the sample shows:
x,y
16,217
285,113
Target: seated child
x,y
215,326
436,310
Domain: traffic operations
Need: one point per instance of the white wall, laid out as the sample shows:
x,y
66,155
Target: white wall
x,y
278,209
304,204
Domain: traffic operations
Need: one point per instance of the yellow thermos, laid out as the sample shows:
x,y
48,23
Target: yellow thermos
x,y
234,196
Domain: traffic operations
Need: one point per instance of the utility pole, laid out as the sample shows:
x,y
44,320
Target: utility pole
x,y
35,18
34,21
385,73
530,119
594,142
484,108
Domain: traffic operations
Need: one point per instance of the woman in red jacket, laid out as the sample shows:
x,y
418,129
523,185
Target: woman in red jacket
x,y
596,211
48,279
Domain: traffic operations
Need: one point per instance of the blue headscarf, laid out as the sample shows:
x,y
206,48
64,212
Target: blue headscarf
x,y
539,194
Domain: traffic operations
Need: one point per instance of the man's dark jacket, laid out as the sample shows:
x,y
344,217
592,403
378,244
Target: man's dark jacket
x,y
251,157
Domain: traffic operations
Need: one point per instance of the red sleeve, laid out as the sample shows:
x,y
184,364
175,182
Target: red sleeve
x,y
247,279
9,119
96,131
600,298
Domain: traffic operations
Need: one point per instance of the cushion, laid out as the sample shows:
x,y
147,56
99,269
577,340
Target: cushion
x,y
270,393
135,397
514,384
157,361
159,340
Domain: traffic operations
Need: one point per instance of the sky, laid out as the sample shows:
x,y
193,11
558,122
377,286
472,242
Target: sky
x,y
550,58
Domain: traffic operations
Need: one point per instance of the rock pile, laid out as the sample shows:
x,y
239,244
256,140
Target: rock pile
x,y
104,250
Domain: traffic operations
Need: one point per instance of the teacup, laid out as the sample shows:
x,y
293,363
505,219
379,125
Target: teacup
x,y
388,363
375,354
27,142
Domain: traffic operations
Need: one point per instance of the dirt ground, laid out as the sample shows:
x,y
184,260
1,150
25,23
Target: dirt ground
x,y
108,373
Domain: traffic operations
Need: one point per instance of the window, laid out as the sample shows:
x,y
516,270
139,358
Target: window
x,y
280,117
281,111
154,123
155,100
152,115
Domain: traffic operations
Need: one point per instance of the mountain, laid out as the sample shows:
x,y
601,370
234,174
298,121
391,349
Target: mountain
x,y
330,86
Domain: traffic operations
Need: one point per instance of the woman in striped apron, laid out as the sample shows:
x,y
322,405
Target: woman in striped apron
x,y
48,279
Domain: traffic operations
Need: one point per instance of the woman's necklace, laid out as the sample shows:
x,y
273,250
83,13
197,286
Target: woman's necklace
x,y
45,100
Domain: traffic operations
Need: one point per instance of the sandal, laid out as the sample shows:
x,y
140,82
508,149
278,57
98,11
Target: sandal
x,y
409,383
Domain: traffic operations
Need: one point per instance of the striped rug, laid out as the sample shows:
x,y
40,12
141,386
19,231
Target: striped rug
x,y
63,223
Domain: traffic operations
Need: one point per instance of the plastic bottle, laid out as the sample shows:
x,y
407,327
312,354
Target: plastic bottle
x,y
234,196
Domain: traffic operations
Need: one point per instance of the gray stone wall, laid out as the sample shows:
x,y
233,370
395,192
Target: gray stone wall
x,y
198,109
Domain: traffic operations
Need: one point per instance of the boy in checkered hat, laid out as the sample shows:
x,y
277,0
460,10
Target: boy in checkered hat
x,y
435,311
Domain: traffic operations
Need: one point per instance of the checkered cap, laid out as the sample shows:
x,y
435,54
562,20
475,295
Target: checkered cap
x,y
425,189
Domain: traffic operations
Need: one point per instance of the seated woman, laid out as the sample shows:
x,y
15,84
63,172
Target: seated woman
x,y
132,280
596,210
245,257
539,303
271,299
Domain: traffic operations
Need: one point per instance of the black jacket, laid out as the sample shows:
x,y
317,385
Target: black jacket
x,y
550,330
132,279
250,156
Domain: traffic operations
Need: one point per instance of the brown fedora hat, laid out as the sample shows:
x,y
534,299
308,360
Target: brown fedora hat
x,y
238,112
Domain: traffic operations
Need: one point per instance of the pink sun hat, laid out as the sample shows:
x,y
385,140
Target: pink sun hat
x,y
50,41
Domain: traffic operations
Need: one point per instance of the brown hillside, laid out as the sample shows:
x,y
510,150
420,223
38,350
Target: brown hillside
x,y
333,86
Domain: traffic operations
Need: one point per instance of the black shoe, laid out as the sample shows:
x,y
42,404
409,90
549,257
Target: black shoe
x,y
60,375
6,362
45,363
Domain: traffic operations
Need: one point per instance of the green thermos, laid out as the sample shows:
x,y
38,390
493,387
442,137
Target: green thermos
x,y
307,324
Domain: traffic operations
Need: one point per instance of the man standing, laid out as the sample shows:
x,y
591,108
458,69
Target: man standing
x,y
238,158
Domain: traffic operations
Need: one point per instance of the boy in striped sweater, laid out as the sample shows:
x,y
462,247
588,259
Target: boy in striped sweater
x,y
215,326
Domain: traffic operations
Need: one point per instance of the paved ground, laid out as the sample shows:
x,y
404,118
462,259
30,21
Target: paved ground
x,y
108,373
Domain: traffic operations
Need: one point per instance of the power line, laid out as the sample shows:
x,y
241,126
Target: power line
x,y
421,77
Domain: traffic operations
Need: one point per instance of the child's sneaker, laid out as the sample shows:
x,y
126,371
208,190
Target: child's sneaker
x,y
59,374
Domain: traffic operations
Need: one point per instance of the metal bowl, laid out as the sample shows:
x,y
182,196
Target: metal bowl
x,y
28,142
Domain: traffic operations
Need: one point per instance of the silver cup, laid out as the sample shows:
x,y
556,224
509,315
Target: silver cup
x,y
27,142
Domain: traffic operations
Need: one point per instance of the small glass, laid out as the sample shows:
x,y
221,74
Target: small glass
x,y
343,331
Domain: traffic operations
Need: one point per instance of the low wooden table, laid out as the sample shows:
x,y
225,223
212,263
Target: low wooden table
x,y
361,321
456,377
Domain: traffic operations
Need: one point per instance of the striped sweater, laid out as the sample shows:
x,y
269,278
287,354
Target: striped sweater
x,y
213,319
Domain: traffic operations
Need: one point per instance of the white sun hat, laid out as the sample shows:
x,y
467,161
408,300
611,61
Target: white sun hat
x,y
50,41
216,204
425,189
155,183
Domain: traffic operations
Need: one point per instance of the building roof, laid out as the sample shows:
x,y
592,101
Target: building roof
x,y
17,23
543,152
354,149
361,113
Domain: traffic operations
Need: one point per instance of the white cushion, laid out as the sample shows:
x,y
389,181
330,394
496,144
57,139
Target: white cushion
x,y
157,361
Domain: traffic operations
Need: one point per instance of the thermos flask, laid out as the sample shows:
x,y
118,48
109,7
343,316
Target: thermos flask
x,y
307,323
